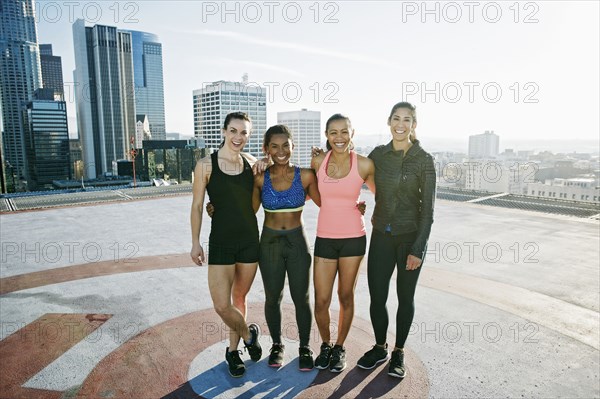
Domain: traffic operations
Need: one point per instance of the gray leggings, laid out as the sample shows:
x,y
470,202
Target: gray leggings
x,y
284,251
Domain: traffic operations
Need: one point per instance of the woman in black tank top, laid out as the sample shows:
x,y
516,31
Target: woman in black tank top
x,y
233,242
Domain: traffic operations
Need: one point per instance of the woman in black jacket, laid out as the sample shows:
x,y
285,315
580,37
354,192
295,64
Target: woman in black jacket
x,y
405,181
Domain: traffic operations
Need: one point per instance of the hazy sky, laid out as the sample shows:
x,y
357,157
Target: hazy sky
x,y
527,70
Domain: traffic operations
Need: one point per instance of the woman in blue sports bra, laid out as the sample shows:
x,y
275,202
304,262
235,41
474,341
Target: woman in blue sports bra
x,y
282,190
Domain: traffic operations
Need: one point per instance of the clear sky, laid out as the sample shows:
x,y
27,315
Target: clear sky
x,y
529,71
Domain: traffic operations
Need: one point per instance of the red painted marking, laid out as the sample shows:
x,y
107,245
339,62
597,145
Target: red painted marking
x,y
156,362
31,348
96,269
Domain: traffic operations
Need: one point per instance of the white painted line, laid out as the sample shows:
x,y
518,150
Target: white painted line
x,y
488,197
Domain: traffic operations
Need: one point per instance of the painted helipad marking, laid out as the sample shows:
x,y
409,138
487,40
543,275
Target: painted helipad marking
x,y
565,318
208,377
28,350
160,361
96,269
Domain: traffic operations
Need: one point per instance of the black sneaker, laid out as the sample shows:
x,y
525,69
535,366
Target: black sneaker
x,y
276,356
338,359
234,362
305,361
322,361
373,357
253,347
397,364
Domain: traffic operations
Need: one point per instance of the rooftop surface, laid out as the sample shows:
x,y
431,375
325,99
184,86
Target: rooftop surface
x,y
103,301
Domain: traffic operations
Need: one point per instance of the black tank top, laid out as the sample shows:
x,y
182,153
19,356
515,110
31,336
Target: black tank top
x,y
233,219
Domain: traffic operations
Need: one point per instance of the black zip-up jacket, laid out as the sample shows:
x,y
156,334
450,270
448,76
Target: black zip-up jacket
x,y
405,193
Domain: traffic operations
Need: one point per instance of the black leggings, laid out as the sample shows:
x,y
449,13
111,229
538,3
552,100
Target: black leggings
x,y
385,253
284,251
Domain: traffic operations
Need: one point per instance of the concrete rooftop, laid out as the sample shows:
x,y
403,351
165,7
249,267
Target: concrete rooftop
x,y
103,301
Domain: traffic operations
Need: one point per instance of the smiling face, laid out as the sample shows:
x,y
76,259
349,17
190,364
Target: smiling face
x,y
402,124
339,134
280,148
236,134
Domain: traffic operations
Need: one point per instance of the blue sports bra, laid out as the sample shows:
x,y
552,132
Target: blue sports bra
x,y
290,200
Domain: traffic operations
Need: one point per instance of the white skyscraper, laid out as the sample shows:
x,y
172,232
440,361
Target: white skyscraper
x,y
306,128
484,145
213,102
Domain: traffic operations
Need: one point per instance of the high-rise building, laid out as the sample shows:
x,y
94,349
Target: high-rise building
x,y
51,71
76,162
306,129
104,95
46,140
148,80
212,104
20,76
142,130
484,145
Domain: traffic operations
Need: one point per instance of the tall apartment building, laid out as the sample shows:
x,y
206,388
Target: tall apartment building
x,y
20,76
148,80
46,140
213,102
306,129
52,77
104,95
484,145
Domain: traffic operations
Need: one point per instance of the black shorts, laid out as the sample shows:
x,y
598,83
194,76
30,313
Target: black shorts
x,y
232,252
335,248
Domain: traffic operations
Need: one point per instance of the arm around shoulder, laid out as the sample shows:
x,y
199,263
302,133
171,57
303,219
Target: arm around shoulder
x,y
309,181
366,169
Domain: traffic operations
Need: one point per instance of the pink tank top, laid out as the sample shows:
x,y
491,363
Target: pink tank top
x,y
338,216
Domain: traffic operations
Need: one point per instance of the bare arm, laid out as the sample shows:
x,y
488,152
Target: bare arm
x,y
201,177
366,169
256,193
309,181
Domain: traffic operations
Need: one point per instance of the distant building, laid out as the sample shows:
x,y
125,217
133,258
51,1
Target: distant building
x,y
148,79
47,141
104,95
306,129
76,160
52,76
497,177
212,104
142,130
20,76
575,189
484,145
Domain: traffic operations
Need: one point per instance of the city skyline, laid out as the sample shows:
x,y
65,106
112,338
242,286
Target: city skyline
x,y
515,65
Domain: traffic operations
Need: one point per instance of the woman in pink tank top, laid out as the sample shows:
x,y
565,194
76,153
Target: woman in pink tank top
x,y
341,237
